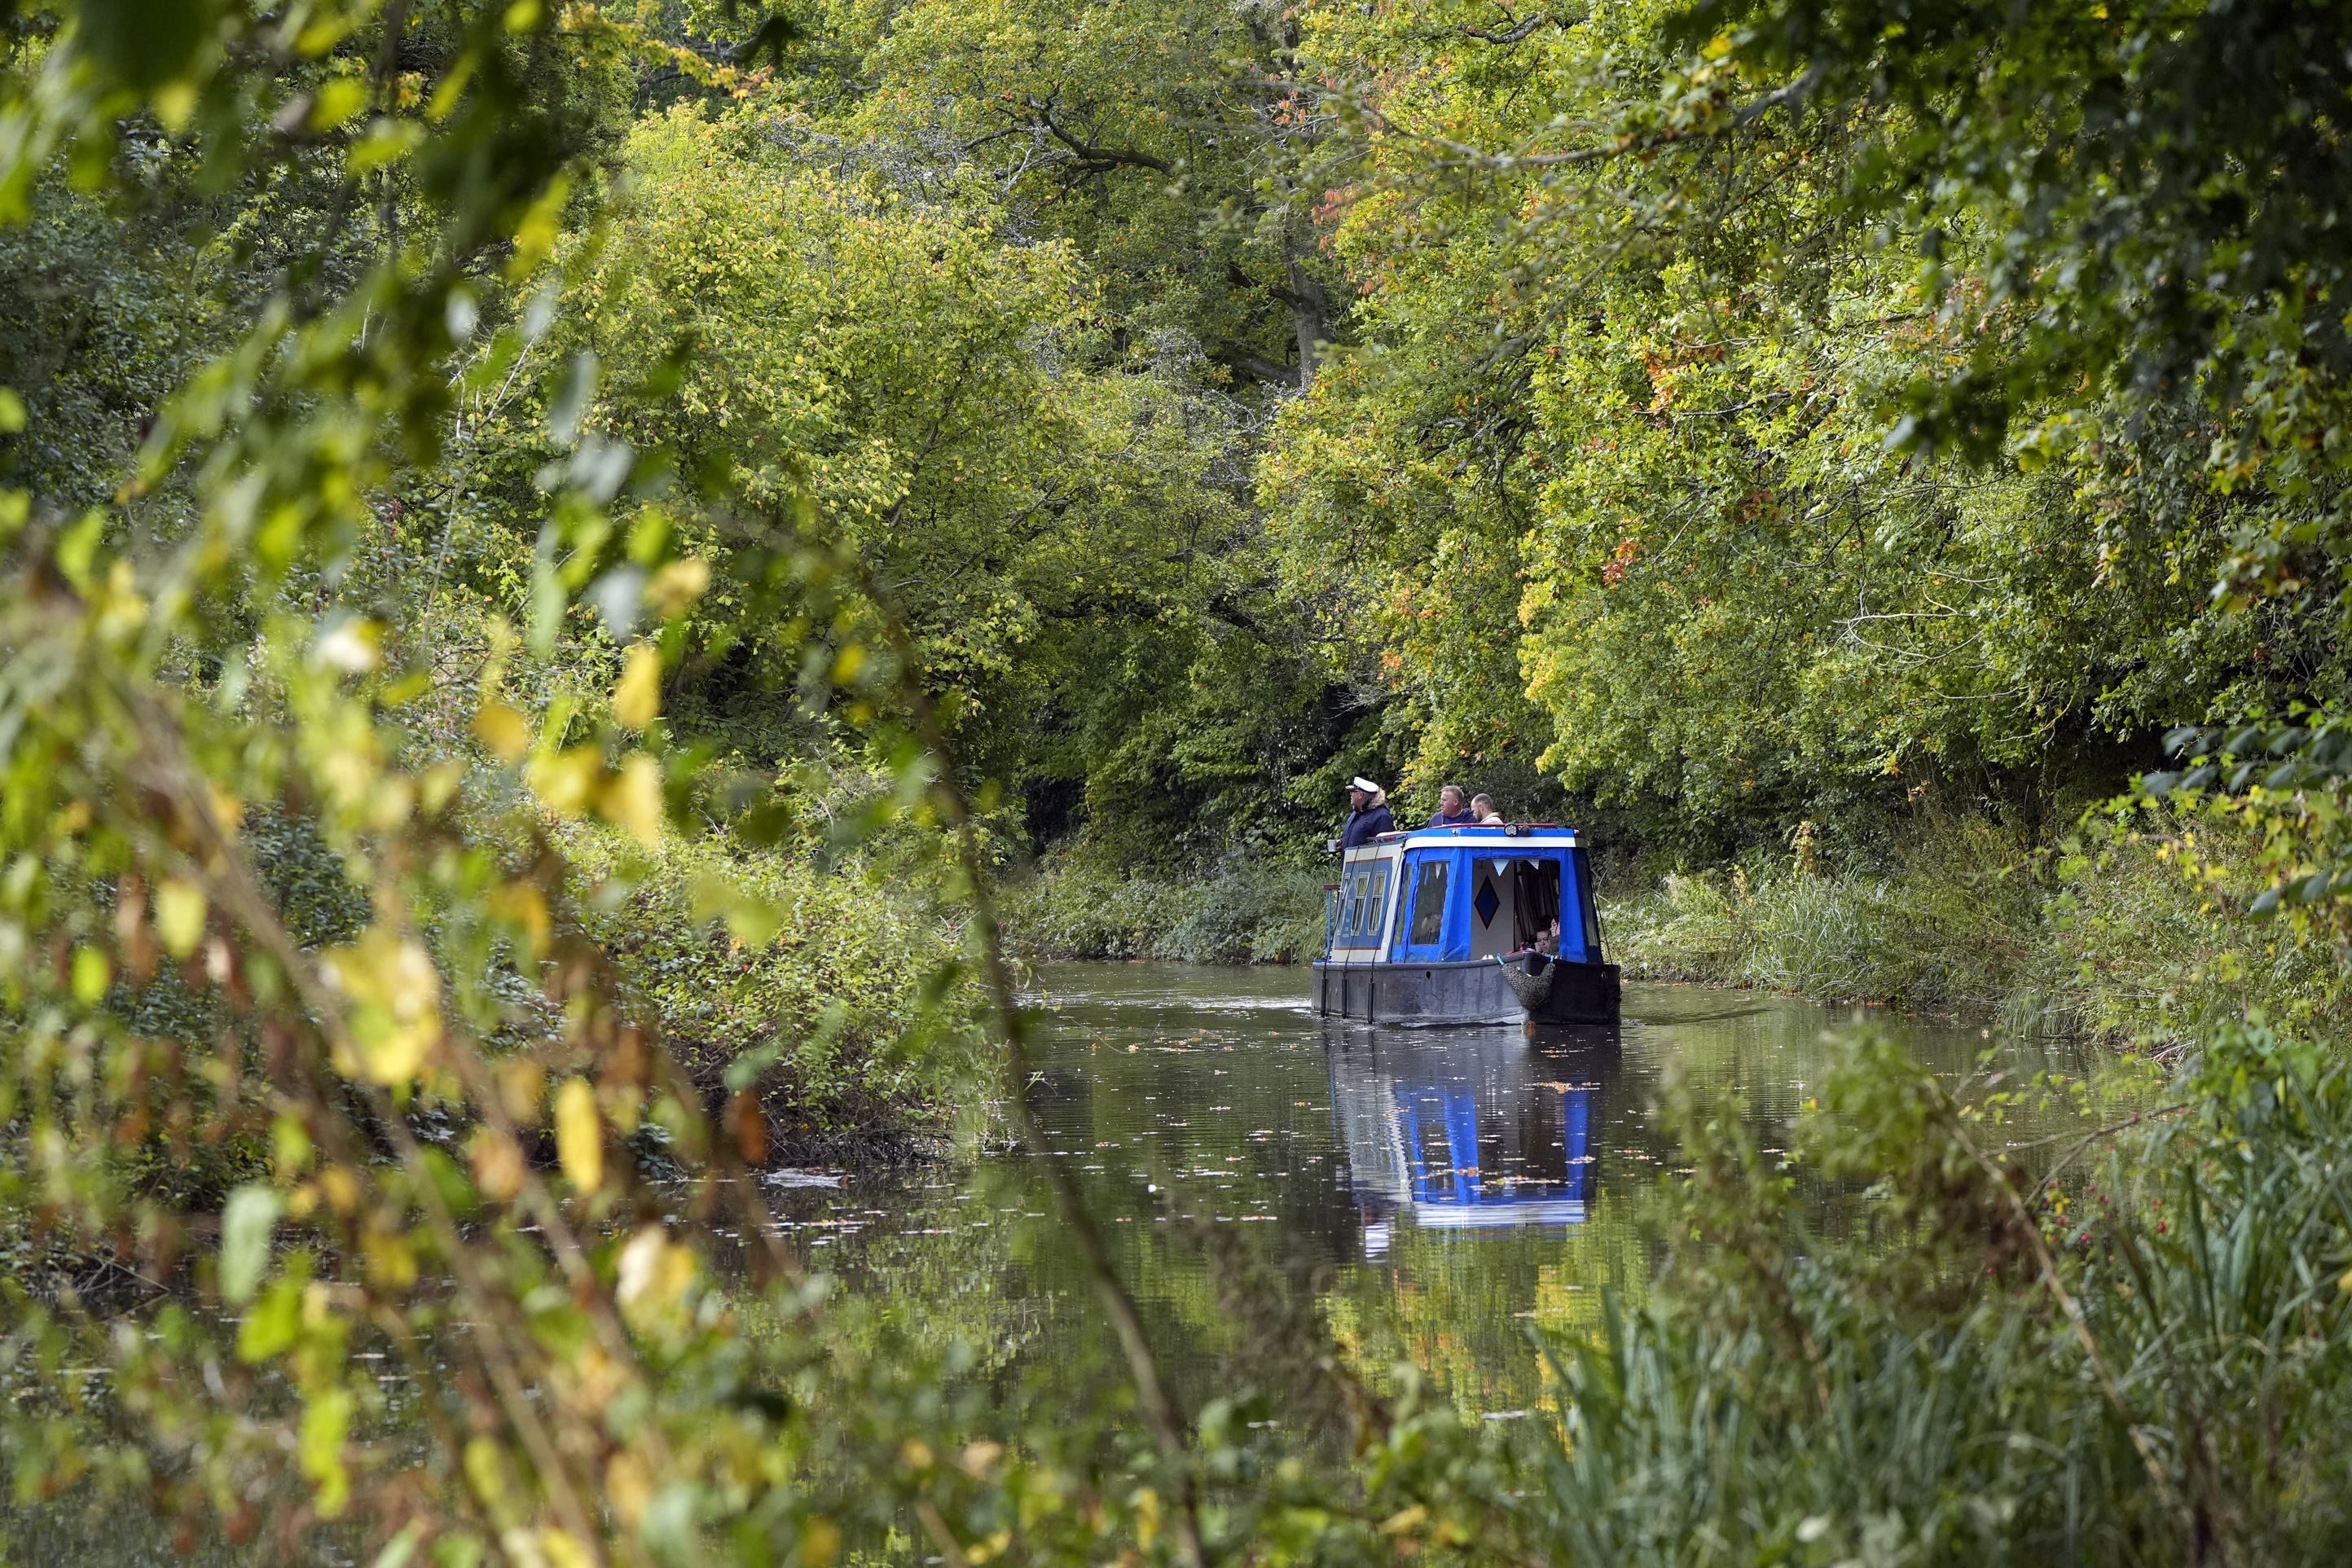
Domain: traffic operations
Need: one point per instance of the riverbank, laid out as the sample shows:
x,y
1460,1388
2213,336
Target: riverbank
x,y
2130,932
1239,913
2122,932
812,987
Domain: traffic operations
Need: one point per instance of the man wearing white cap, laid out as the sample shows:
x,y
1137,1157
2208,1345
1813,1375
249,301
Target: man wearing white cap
x,y
1367,817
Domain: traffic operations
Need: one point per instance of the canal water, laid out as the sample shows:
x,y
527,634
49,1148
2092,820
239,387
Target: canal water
x,y
1421,1197
1276,1187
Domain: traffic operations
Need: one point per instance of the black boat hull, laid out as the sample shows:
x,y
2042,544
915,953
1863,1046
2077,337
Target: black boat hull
x,y
1472,991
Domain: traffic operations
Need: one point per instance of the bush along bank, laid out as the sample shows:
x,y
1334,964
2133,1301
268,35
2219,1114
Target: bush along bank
x,y
2131,928
1242,912
810,990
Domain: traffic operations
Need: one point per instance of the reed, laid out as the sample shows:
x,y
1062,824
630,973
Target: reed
x,y
2130,929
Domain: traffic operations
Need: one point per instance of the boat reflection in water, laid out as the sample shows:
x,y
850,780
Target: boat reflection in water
x,y
1468,1129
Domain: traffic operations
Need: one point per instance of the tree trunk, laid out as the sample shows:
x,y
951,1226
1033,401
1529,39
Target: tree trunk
x,y
1310,317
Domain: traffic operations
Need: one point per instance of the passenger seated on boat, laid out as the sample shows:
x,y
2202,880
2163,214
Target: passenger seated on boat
x,y
1482,809
1368,816
1451,811
1547,942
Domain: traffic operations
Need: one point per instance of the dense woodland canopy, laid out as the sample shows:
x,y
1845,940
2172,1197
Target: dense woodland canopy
x,y
557,555
1237,398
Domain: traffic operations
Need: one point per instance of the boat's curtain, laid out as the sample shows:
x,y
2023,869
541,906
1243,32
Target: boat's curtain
x,y
1535,902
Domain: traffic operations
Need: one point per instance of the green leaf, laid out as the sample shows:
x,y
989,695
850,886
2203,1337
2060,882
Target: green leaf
x,y
91,975
248,1221
401,1548
272,1323
78,549
326,1421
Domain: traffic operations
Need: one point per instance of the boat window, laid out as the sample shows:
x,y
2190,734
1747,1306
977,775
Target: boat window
x,y
1429,902
1376,897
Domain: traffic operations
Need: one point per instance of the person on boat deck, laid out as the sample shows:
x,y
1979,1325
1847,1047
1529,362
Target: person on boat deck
x,y
1451,811
1368,815
1482,809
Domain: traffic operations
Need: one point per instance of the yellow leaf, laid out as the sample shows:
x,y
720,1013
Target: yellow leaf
x,y
536,235
567,780
485,1471
524,904
522,1085
634,798
636,701
92,973
563,1550
179,915
326,1420
505,731
175,102
579,1136
678,585
628,1487
389,1259
498,1164
354,647
395,993
652,1277
820,1542
337,100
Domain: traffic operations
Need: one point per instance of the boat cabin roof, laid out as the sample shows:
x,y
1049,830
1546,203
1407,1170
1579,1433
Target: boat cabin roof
x,y
1514,835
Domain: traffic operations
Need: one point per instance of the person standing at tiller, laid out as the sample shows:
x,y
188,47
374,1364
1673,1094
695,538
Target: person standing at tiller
x,y
1368,816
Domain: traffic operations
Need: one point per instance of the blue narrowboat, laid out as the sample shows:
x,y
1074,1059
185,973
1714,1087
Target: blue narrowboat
x,y
1450,926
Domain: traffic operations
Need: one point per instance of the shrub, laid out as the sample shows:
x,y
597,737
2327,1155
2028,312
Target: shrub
x,y
2133,930
1242,912
827,1018
2148,939
1947,924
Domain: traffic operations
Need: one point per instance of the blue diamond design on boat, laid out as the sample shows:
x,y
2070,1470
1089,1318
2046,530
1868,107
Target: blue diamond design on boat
x,y
1486,903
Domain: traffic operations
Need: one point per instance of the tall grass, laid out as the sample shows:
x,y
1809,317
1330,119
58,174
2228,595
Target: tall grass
x,y
2119,932
1951,922
1946,1367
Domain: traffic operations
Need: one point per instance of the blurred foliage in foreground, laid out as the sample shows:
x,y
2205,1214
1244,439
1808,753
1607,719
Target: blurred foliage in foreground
x,y
408,423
